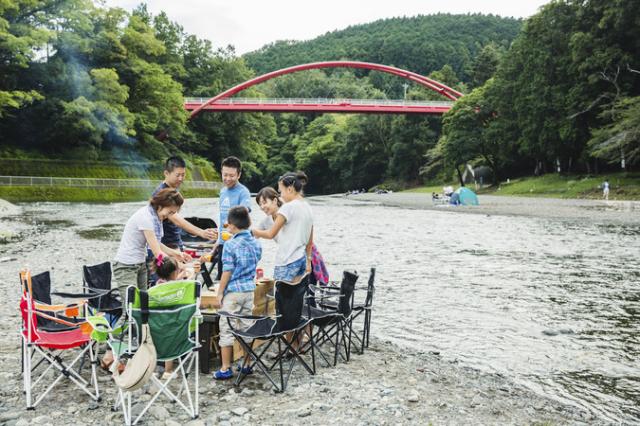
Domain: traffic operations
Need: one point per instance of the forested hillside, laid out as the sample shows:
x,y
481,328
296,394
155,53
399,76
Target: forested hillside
x,y
421,44
559,91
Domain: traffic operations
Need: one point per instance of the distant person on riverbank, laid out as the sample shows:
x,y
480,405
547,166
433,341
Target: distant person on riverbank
x,y
270,203
605,190
232,194
293,226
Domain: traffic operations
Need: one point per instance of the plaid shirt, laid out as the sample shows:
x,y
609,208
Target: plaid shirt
x,y
240,255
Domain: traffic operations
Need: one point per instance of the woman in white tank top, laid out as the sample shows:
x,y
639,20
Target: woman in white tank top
x,y
293,227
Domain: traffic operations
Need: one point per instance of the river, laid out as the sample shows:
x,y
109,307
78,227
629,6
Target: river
x,y
550,303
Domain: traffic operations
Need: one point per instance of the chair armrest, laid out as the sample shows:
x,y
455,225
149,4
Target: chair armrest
x,y
323,288
58,308
84,296
58,320
99,323
240,317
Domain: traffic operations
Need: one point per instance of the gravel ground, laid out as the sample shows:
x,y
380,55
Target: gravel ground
x,y
386,385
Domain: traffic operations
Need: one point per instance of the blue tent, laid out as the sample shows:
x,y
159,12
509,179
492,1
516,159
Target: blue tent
x,y
467,197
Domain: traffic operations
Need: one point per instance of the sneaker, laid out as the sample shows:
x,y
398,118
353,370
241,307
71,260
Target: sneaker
x,y
244,370
223,375
165,376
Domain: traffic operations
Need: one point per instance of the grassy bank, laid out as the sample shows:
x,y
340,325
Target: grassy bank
x,y
623,186
18,194
198,169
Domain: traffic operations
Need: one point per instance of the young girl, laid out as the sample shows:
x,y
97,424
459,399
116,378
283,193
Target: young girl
x,y
270,203
293,227
169,269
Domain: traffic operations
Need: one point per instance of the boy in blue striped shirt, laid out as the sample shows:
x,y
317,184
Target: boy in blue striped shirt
x,y
240,257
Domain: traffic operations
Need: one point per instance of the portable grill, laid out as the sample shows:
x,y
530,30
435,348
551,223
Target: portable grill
x,y
194,245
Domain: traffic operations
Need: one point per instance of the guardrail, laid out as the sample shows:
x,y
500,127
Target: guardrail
x,y
97,182
315,101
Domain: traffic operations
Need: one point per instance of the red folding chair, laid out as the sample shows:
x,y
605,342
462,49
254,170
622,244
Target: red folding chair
x,y
52,346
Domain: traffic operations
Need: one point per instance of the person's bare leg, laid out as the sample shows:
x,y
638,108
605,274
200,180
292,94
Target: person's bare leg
x,y
107,359
226,353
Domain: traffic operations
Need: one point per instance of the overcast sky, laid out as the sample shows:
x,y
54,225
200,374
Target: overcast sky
x,y
250,24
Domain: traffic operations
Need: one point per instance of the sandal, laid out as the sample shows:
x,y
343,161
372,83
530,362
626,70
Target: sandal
x,y
105,366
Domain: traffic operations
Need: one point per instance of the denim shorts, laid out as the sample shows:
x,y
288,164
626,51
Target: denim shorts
x,y
290,271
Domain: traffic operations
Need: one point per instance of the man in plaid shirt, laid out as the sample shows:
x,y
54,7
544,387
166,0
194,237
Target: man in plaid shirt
x,y
240,257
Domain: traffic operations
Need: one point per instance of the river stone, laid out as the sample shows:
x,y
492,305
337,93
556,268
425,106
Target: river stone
x,y
413,397
22,422
8,209
170,422
224,415
11,415
240,411
304,413
41,420
159,412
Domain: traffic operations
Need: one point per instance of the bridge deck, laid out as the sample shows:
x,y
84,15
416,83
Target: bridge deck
x,y
380,106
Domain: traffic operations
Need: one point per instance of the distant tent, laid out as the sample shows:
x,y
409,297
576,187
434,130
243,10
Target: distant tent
x,y
466,197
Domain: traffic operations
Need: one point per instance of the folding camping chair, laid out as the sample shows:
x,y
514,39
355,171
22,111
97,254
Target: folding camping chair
x,y
366,308
41,337
284,329
97,279
331,318
173,314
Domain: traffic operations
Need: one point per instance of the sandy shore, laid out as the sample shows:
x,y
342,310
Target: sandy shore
x,y
615,212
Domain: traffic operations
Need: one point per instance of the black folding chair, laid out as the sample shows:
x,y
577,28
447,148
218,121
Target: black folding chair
x,y
284,329
97,279
41,285
333,318
366,308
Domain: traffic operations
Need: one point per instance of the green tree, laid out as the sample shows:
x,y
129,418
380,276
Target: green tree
x,y
469,133
22,33
620,139
485,64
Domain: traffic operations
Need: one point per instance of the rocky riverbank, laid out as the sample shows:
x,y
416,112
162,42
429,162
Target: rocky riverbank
x,y
615,212
386,385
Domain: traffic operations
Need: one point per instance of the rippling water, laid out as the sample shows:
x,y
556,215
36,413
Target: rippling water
x,y
551,304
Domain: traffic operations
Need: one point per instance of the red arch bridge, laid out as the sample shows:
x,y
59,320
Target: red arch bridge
x,y
226,101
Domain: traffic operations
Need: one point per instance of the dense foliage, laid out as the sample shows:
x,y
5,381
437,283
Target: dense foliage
x,y
561,91
80,81
565,95
421,44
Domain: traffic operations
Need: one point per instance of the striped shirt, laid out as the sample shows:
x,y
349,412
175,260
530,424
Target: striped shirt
x,y
241,255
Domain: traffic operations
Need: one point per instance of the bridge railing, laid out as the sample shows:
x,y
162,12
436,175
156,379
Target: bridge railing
x,y
316,101
97,182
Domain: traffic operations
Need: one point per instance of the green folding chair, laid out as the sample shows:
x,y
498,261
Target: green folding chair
x,y
171,313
